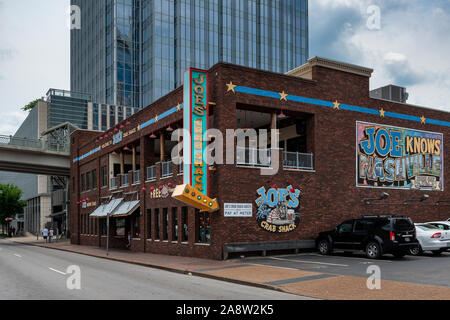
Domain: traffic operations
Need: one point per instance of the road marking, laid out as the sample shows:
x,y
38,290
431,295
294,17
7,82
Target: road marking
x,y
270,266
60,272
17,255
311,262
350,257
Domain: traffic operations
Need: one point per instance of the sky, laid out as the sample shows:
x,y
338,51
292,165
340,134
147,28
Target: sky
x,y
410,47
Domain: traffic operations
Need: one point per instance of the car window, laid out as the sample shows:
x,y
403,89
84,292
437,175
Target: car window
x,y
403,224
345,227
440,226
360,226
428,227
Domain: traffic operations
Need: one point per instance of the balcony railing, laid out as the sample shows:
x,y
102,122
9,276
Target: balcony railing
x,y
253,157
124,180
151,173
113,183
166,169
136,176
296,160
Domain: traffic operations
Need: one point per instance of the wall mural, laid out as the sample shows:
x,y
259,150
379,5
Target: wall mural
x,y
277,209
393,157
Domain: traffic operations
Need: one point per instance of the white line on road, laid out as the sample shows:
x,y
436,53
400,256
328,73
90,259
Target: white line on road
x,y
60,272
17,255
268,265
312,262
350,257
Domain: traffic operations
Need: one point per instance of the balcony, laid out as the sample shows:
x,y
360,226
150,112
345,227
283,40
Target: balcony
x,y
151,173
124,180
136,176
113,183
166,169
298,161
253,157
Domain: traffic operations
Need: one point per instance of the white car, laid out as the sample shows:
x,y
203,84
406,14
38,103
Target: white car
x,y
431,238
445,227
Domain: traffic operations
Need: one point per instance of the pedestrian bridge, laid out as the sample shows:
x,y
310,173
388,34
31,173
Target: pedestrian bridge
x,y
34,156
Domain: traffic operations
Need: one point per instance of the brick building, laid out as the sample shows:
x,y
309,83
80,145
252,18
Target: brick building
x,y
337,148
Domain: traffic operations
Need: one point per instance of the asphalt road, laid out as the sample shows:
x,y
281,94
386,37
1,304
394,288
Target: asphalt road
x,y
28,272
426,269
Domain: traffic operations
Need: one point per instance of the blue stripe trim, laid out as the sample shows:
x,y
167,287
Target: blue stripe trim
x,y
140,127
317,102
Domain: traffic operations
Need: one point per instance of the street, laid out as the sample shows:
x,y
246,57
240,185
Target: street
x,y
29,272
424,270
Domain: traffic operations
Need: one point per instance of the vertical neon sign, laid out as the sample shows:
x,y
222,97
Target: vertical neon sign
x,y
196,122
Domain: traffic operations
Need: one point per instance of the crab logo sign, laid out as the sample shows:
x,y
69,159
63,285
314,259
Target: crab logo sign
x,y
277,209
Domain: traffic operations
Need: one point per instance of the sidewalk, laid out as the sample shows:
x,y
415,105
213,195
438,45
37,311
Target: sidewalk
x,y
305,283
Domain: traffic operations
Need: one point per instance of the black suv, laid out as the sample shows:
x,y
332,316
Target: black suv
x,y
375,235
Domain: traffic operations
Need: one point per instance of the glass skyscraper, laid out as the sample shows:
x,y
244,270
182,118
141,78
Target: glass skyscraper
x,y
132,52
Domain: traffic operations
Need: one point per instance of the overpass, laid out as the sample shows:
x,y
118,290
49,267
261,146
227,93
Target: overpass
x,y
34,156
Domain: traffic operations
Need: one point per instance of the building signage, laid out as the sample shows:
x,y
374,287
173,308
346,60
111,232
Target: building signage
x,y
277,209
238,210
117,138
196,122
393,157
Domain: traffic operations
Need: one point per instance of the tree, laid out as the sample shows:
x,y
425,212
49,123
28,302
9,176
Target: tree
x,y
10,203
31,105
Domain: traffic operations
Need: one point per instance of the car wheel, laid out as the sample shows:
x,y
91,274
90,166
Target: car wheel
x,y
399,254
373,250
416,251
324,247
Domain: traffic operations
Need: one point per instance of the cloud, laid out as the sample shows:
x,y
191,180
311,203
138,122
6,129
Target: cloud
x,y
11,121
410,48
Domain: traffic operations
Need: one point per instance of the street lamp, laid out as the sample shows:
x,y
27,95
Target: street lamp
x,y
383,196
422,199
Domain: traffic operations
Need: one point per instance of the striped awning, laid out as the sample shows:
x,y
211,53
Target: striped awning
x,y
105,209
126,208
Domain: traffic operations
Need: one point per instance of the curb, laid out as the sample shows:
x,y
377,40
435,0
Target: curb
x,y
170,269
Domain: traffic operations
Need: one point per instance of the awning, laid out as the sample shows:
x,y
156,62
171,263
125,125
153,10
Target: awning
x,y
126,208
105,209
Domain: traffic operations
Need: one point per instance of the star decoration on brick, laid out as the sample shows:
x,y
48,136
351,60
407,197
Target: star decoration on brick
x,y
156,118
283,96
382,112
179,107
231,87
336,105
423,119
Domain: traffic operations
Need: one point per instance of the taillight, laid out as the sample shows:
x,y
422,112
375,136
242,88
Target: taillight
x,y
436,235
392,236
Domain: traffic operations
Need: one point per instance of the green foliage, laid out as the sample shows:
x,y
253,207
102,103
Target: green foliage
x,y
10,203
31,105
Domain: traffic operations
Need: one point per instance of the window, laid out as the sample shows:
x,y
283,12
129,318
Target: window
x,y
73,184
165,224
120,227
82,182
174,224
203,227
136,227
88,181
157,224
94,179
345,227
104,227
149,223
185,225
104,176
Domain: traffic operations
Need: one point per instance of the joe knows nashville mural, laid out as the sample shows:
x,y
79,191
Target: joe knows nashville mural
x,y
401,158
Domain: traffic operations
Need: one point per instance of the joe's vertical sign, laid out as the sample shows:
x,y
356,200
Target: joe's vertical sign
x,y
196,122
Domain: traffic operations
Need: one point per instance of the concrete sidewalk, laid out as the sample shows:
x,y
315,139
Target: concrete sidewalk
x,y
305,283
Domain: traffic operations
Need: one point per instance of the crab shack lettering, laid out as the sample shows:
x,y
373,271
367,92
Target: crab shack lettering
x,y
277,209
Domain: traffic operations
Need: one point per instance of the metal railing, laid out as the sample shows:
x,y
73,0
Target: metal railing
x,y
33,144
253,157
136,176
124,180
151,173
296,160
166,169
113,183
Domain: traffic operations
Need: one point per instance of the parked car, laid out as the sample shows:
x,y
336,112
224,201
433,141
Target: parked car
x,y
375,235
431,238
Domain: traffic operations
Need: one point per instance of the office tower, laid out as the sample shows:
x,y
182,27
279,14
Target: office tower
x,y
132,52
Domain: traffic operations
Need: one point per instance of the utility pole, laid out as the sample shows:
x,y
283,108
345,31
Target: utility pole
x,y
107,234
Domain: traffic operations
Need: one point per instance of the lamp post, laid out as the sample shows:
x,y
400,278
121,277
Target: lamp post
x,y
422,199
383,196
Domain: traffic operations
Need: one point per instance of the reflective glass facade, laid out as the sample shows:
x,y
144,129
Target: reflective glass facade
x,y
132,52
